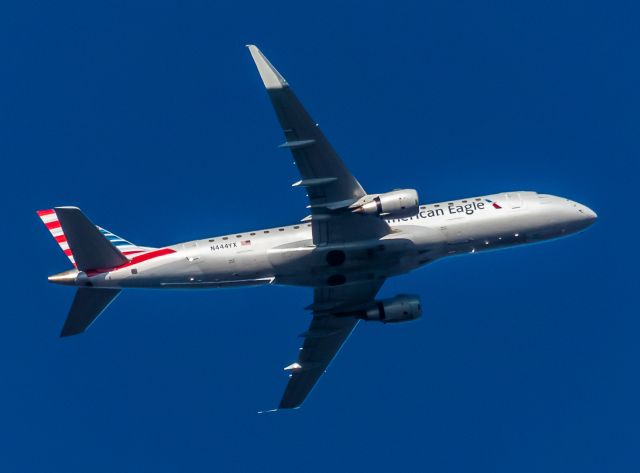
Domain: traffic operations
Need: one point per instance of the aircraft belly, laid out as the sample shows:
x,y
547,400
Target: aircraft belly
x,y
506,228
194,266
303,264
242,266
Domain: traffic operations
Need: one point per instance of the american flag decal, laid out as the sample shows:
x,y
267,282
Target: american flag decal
x,y
495,204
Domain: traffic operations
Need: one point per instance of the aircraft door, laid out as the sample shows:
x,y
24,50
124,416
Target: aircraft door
x,y
191,251
514,200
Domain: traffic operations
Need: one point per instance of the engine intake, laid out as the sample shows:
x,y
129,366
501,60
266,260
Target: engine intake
x,y
400,203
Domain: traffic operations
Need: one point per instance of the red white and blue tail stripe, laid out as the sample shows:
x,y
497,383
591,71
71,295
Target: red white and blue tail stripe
x,y
125,247
50,219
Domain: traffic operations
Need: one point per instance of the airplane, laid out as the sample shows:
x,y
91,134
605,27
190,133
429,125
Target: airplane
x,y
345,249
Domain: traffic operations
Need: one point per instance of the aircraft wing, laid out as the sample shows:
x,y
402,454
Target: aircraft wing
x,y
330,186
325,336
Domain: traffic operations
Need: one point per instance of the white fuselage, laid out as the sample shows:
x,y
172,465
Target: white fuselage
x,y
287,255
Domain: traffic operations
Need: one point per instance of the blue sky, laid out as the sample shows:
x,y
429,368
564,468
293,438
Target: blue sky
x,y
151,117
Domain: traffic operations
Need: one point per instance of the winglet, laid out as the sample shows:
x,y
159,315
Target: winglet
x,y
269,74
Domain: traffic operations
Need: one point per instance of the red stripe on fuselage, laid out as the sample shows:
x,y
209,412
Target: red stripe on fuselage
x,y
149,255
134,260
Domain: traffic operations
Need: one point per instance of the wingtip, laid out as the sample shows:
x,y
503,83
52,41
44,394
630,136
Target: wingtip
x,y
65,333
270,76
289,407
282,407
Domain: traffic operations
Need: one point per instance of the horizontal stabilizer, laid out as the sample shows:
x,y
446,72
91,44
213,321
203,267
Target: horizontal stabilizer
x,y
90,248
87,305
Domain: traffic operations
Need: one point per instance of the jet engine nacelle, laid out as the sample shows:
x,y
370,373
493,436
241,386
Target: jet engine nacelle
x,y
401,308
400,203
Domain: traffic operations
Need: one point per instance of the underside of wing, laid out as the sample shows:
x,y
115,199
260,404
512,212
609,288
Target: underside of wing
x,y
326,334
323,340
344,227
328,181
330,186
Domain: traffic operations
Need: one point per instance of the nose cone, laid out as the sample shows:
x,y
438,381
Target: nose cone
x,y
567,216
583,217
588,215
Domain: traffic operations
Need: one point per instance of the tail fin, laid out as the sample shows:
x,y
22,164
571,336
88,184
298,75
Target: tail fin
x,y
50,219
87,305
86,245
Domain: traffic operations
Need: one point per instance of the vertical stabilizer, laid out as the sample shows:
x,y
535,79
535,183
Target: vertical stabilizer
x,y
66,235
86,246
